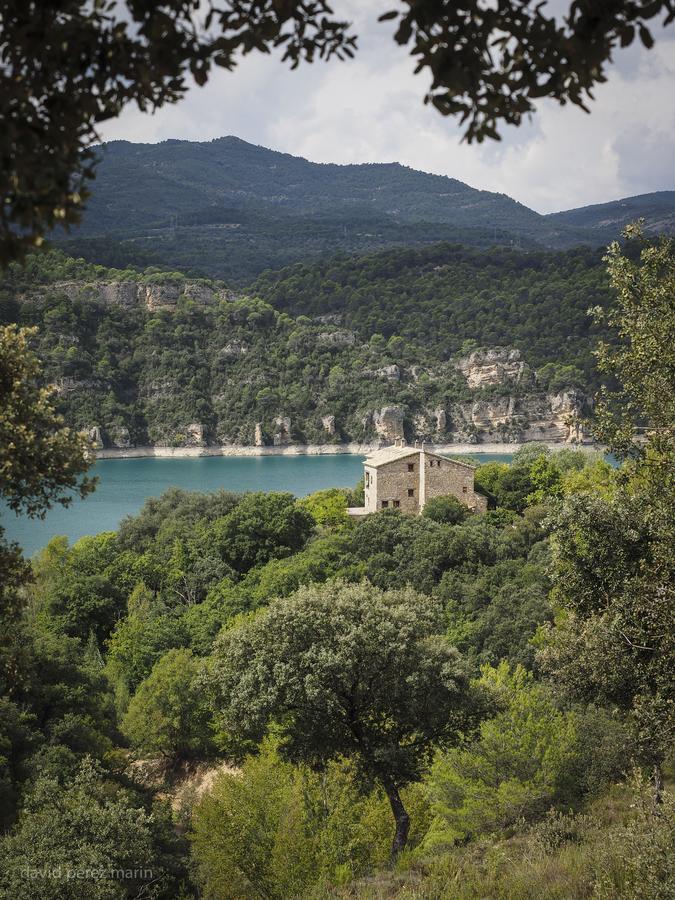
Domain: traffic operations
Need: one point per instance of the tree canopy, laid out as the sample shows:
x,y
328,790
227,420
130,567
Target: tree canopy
x,y
41,460
613,558
347,671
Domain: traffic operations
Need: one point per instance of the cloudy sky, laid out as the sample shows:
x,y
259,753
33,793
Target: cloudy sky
x,y
370,110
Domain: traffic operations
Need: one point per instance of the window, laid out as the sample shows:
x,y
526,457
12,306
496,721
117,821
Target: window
x,y
411,467
465,490
367,478
397,503
411,492
385,504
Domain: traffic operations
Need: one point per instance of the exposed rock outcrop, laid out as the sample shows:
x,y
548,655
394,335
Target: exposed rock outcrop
x,y
160,389
328,319
391,373
152,294
121,293
328,424
387,422
200,293
120,437
335,339
68,385
234,349
282,431
494,366
162,294
196,435
95,435
534,417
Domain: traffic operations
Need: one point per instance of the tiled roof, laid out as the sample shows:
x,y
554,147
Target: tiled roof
x,y
391,454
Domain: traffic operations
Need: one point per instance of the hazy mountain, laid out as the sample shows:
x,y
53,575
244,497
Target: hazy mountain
x,y
229,209
658,209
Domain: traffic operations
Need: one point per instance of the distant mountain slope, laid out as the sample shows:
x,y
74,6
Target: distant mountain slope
x,y
229,209
228,174
658,209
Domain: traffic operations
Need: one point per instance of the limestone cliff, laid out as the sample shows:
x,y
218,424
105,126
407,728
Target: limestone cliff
x,y
386,423
492,366
532,417
149,293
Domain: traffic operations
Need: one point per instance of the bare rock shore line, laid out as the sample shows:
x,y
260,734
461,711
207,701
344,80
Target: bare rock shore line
x,y
309,450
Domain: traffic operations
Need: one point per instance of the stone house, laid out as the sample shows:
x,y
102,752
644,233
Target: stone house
x,y
404,478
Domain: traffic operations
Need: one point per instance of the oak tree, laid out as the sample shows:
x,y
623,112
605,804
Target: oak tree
x,y
346,671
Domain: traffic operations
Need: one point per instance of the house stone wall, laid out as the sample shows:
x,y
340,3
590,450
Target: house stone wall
x,y
370,488
452,478
393,482
431,476
446,477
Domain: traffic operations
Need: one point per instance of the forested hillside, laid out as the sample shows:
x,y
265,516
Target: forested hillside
x,y
447,296
228,209
658,209
444,343
156,652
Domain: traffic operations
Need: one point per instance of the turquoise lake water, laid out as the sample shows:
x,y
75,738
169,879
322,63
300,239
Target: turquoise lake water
x,y
125,484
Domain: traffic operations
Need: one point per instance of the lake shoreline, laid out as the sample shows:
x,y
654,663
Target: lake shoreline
x,y
354,449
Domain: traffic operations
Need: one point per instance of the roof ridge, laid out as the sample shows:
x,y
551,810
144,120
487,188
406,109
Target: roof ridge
x,y
389,454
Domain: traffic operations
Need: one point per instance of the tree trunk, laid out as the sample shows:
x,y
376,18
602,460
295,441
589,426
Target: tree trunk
x,y
658,786
400,815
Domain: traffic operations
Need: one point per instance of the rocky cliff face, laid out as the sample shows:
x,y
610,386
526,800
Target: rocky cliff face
x,y
500,403
150,294
493,366
533,417
282,431
387,423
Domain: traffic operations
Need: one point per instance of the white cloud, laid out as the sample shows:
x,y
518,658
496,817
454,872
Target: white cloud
x,y
370,110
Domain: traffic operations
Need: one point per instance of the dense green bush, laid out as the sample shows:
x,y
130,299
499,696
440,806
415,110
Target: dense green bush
x,y
168,714
526,760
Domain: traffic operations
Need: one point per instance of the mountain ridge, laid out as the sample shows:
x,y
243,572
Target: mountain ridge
x,y
230,209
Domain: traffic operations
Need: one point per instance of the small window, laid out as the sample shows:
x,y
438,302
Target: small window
x,y
397,503
411,467
438,463
411,492
465,490
367,478
385,504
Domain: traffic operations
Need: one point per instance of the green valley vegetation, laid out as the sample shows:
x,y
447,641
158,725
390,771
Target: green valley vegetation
x,y
252,696
444,344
